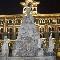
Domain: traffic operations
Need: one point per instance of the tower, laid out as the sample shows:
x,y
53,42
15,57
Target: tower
x,y
34,6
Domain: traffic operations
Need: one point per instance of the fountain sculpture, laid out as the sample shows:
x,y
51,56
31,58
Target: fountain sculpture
x,y
5,49
51,45
27,40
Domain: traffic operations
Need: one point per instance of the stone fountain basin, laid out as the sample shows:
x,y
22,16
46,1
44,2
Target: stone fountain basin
x,y
29,58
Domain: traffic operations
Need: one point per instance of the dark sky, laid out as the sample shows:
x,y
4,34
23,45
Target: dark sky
x,y
13,6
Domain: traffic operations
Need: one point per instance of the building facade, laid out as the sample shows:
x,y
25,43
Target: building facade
x,y
45,23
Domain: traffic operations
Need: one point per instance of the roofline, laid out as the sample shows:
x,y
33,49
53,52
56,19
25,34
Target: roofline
x,y
55,14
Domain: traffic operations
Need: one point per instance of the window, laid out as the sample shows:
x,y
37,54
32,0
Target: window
x,y
40,29
36,21
59,34
52,29
10,21
49,29
59,28
34,9
41,21
19,21
50,21
58,21
43,29
11,30
0,36
16,29
16,35
7,30
1,22
1,29
53,35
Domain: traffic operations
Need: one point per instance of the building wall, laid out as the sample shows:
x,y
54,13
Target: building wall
x,y
45,23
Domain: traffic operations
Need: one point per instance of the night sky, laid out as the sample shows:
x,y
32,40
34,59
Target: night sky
x,y
13,6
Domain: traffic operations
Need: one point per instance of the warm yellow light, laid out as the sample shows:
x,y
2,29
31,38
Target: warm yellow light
x,y
29,0
58,54
45,44
9,44
1,44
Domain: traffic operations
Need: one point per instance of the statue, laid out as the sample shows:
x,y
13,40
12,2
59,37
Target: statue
x,y
5,49
51,45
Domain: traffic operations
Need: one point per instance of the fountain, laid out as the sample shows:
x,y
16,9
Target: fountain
x,y
40,49
27,41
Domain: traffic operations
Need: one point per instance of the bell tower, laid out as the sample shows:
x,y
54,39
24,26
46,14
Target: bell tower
x,y
34,6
